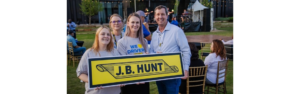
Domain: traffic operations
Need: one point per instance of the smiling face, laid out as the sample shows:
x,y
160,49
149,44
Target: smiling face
x,y
104,36
116,23
134,24
161,16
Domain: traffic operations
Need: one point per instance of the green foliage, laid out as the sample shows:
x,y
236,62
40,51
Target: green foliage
x,y
230,19
176,6
90,7
206,3
222,19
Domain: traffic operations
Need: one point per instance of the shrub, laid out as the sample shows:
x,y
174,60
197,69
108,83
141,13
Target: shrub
x,y
230,19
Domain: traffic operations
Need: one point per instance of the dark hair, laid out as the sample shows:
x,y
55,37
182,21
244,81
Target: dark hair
x,y
194,51
219,49
160,7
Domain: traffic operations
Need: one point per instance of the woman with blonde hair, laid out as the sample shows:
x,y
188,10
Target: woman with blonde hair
x,y
102,47
116,24
133,43
218,53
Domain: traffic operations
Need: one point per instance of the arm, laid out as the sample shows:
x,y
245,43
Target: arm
x,y
83,77
82,71
73,25
74,43
147,26
147,33
184,48
146,48
151,50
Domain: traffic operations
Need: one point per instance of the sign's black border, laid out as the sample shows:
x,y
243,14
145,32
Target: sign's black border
x,y
136,56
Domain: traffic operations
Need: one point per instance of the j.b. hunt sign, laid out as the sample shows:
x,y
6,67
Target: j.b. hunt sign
x,y
111,71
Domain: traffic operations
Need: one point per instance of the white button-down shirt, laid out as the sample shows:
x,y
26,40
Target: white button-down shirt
x,y
172,40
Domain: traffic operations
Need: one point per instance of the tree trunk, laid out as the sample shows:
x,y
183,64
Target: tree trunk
x,y
90,19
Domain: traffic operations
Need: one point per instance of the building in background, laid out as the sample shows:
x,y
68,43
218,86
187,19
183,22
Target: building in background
x,y
125,7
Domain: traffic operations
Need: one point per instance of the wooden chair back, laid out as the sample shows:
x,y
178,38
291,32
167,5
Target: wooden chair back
x,y
222,65
70,46
196,72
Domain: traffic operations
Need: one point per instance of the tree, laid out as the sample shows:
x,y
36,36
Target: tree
x,y
206,3
90,8
176,7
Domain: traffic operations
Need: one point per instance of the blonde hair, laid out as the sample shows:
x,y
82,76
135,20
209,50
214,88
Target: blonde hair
x,y
117,15
96,44
140,34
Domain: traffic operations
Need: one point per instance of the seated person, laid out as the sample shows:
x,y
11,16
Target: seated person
x,y
78,50
174,21
228,42
71,26
195,62
218,53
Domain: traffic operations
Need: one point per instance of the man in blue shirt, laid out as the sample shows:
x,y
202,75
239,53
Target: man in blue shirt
x,y
77,49
71,26
146,32
169,38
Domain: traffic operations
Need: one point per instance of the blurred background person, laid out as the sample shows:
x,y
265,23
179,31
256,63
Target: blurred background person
x,y
195,62
71,26
78,50
218,53
174,21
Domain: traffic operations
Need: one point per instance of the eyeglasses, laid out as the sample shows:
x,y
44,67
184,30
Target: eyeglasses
x,y
118,21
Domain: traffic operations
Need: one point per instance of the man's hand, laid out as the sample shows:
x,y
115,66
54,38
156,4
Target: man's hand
x,y
186,74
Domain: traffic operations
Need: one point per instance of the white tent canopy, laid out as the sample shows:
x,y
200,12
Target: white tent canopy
x,y
198,12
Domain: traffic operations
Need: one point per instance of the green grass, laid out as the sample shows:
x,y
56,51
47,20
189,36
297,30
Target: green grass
x,y
74,86
222,18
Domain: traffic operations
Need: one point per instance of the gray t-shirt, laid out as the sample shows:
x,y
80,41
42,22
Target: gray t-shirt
x,y
131,46
83,69
117,39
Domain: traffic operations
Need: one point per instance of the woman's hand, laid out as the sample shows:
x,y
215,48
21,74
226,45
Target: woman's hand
x,y
98,88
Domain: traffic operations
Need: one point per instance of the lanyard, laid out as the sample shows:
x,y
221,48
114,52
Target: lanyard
x,y
161,39
116,39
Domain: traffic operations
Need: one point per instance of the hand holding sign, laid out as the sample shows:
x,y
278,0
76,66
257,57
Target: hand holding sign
x,y
186,74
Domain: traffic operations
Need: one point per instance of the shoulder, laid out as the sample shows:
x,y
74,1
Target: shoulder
x,y
115,52
175,28
121,40
87,52
212,55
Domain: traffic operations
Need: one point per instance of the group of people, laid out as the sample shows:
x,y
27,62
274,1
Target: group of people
x,y
71,37
168,38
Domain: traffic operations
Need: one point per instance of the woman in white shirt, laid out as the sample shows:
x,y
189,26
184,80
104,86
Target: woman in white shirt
x,y
218,53
116,24
102,47
134,43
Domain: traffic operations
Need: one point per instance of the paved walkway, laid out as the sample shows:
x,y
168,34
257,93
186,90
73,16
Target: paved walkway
x,y
206,38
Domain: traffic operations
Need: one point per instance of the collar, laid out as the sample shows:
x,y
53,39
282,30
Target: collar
x,y
167,28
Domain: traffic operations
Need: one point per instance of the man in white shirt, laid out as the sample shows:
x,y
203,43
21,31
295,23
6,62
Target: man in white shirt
x,y
169,38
